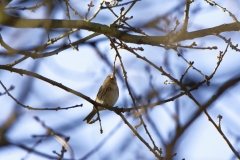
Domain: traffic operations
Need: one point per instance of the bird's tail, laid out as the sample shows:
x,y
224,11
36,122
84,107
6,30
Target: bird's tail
x,y
90,116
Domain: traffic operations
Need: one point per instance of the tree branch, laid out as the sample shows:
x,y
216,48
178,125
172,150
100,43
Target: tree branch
x,y
114,32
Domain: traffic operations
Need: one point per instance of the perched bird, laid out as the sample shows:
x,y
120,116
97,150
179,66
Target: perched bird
x,y
107,94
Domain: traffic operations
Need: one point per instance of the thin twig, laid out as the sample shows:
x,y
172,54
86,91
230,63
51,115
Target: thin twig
x,y
215,125
230,43
186,15
139,137
174,29
33,8
219,121
11,50
119,5
193,46
191,64
74,11
95,14
103,141
69,18
212,3
17,61
124,71
46,54
32,108
99,119
133,3
220,58
7,90
131,95
58,136
21,72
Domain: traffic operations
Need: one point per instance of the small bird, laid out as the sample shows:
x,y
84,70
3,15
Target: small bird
x,y
107,94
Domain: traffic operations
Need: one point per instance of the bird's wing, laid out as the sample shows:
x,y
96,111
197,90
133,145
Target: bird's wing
x,y
99,92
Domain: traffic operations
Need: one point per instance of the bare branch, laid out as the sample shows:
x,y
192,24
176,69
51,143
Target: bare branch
x,y
212,3
113,32
32,108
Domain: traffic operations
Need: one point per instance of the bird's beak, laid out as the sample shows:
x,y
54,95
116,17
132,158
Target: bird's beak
x,y
112,76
